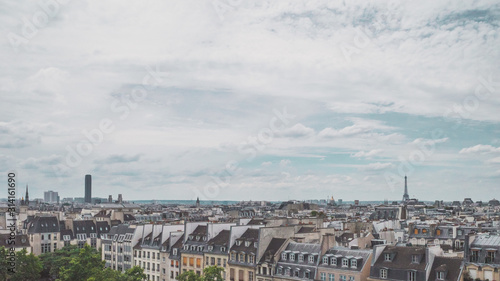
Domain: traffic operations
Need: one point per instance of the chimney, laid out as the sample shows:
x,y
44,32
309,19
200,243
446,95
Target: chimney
x,y
327,242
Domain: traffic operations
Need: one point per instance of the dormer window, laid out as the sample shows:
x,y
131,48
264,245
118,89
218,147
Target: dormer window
x,y
354,263
387,257
325,260
440,275
174,252
311,258
283,256
238,243
412,275
292,257
210,248
345,262
333,261
247,243
190,237
222,249
197,238
255,244
383,273
415,259
186,247
204,238
301,258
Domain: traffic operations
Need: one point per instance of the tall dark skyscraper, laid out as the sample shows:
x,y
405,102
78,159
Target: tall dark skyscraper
x,y
406,197
88,189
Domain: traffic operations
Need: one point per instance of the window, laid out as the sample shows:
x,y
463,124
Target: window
x,y
322,276
287,271
311,258
354,263
333,261
474,256
351,278
210,248
250,276
342,278
331,277
212,261
251,259
301,258
490,256
440,275
233,256
279,271
174,252
415,259
222,249
242,258
412,275
218,261
383,273
387,257
345,262
247,243
283,256
292,257
438,232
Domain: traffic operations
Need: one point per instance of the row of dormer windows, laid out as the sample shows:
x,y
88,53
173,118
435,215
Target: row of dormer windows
x,y
291,257
247,243
344,262
197,237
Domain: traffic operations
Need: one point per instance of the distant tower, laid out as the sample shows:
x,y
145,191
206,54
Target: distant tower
x,y
120,199
88,189
110,199
27,197
406,197
197,202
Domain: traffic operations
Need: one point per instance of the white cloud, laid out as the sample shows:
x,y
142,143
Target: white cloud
x,y
377,166
267,163
481,149
367,154
296,131
285,162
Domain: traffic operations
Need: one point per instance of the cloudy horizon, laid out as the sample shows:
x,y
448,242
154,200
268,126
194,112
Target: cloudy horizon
x,y
240,100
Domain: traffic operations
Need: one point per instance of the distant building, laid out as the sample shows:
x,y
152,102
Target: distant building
x,y
50,196
88,189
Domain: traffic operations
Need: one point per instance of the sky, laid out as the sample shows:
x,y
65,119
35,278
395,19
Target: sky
x,y
251,100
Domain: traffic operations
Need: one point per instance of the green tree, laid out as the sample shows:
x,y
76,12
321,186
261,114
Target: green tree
x,y
135,274
53,262
314,213
213,273
4,266
87,264
189,276
28,267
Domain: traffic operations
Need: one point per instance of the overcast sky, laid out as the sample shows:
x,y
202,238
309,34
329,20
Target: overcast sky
x,y
260,100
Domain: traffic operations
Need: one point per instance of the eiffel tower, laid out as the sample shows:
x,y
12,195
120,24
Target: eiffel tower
x,y
406,197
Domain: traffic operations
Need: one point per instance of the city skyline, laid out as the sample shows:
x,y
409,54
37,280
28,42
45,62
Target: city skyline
x,y
275,101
